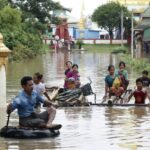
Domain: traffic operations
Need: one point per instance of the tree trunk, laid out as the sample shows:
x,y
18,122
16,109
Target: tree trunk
x,y
111,36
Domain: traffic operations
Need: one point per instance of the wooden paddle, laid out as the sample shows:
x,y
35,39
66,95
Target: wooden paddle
x,y
7,121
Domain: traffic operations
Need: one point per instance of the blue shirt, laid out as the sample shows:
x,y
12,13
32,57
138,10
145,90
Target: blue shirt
x,y
25,103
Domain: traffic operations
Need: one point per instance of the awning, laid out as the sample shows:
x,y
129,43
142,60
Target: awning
x,y
146,36
143,25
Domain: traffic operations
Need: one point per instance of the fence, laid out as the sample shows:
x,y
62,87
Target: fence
x,y
92,41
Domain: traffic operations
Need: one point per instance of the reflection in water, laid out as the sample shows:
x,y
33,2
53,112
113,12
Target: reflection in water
x,y
84,128
31,145
128,126
74,113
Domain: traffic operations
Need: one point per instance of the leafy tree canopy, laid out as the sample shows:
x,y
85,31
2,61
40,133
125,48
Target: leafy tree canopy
x,y
108,16
10,18
3,3
39,9
17,37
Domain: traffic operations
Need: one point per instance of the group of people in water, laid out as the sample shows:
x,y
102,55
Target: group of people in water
x,y
116,83
33,89
31,97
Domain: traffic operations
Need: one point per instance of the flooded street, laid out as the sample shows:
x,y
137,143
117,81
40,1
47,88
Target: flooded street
x,y
84,128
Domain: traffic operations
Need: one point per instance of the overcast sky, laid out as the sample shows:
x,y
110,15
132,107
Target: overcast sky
x,y
89,5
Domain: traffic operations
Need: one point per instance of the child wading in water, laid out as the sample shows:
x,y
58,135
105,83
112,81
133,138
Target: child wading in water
x,y
140,94
145,79
39,86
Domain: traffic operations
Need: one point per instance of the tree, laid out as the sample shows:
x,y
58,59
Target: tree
x,y
108,16
10,18
10,25
36,8
3,3
23,42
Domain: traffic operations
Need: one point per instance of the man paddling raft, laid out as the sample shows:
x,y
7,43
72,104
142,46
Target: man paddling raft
x,y
25,103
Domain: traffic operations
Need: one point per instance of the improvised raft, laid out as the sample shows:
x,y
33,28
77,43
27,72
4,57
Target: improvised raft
x,y
73,97
62,98
27,133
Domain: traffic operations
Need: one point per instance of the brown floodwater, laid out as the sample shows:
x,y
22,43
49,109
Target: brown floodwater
x,y
84,128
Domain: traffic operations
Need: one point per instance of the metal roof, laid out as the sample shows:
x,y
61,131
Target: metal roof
x,y
143,25
146,13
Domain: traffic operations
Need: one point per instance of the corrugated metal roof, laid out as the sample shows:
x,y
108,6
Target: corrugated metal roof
x,y
143,25
146,13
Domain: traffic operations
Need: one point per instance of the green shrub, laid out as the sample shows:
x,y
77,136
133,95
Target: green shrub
x,y
120,49
137,64
79,42
22,38
21,52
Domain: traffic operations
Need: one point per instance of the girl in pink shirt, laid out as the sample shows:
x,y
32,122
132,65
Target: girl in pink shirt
x,y
74,76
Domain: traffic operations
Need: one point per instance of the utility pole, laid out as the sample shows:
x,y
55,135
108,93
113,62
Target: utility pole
x,y
122,26
132,32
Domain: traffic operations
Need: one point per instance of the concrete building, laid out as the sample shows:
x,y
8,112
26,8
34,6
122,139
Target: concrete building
x,y
142,34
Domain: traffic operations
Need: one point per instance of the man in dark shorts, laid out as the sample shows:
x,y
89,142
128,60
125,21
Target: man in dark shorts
x,y
25,102
139,94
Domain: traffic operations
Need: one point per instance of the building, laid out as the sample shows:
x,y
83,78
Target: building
x,y
134,4
137,7
87,34
78,29
142,34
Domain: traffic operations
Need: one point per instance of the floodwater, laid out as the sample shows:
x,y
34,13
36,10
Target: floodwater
x,y
84,128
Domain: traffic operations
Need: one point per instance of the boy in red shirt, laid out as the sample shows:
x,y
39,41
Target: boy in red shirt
x,y
139,94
